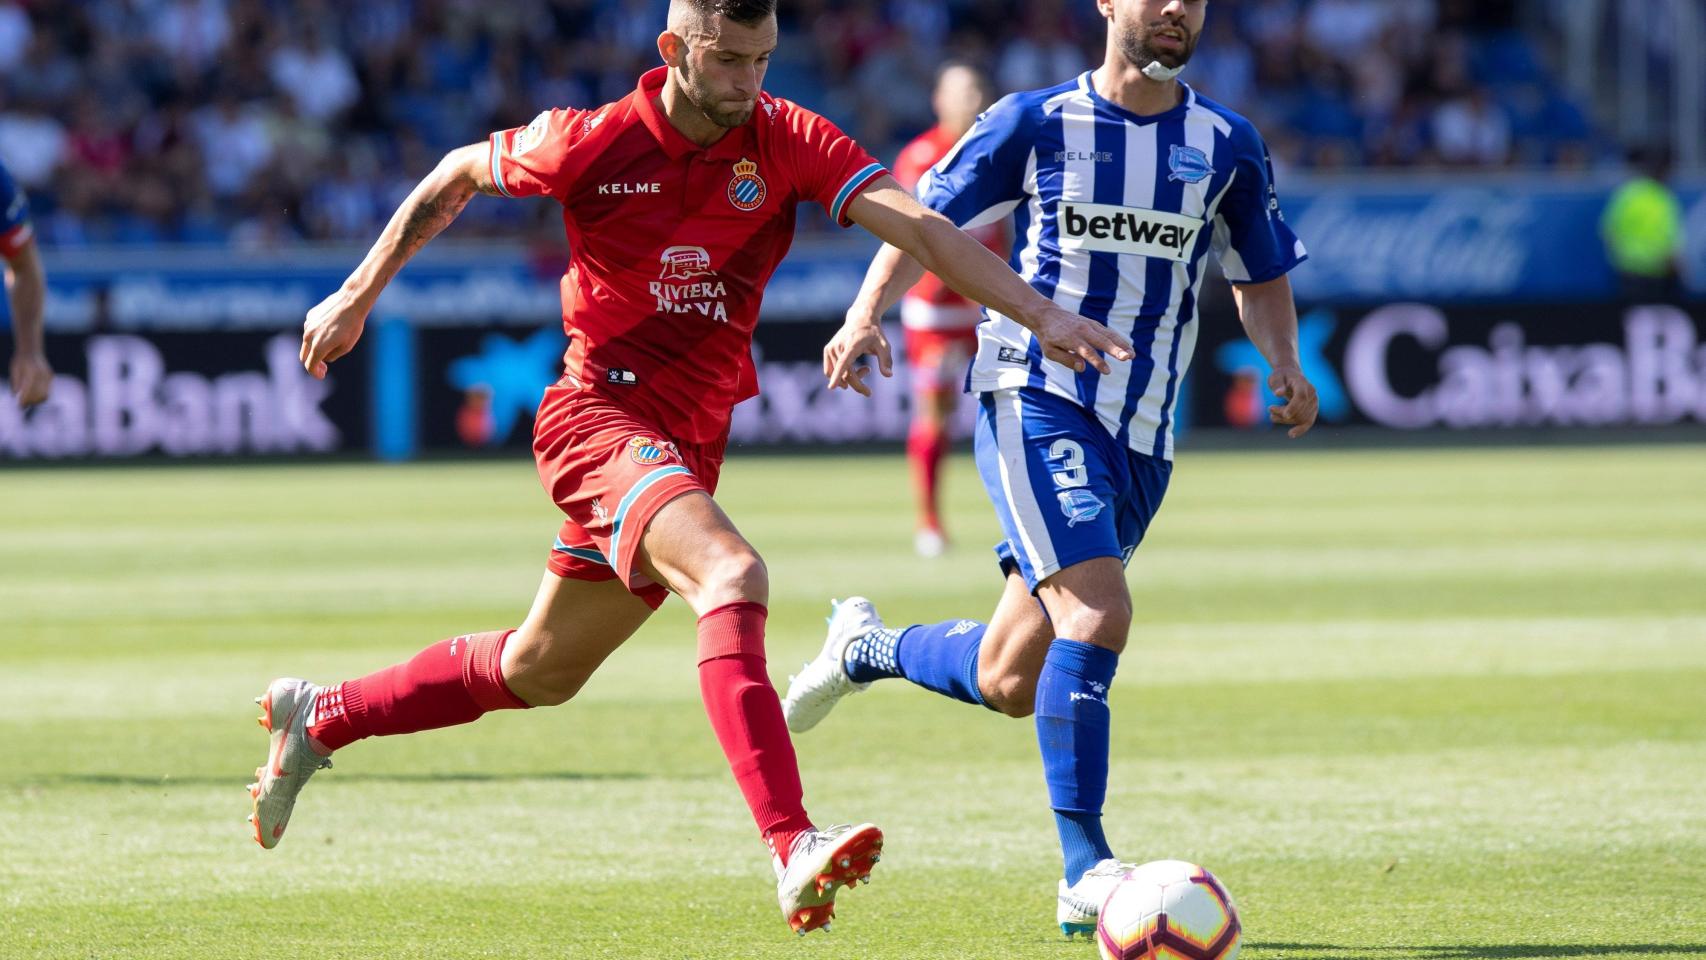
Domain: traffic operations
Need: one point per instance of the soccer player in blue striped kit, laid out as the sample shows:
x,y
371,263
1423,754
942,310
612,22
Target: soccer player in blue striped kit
x,y
1119,181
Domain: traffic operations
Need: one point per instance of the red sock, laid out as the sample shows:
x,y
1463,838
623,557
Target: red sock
x,y
453,681
747,717
925,445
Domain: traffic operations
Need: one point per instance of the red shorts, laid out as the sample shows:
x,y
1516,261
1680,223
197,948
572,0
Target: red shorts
x,y
938,358
610,471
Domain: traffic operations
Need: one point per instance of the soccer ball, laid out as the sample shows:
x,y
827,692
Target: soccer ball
x,y
1168,910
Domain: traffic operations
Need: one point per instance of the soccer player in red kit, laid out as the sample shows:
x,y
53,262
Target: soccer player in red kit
x,y
679,202
940,325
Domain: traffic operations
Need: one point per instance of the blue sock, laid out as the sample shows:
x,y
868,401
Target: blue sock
x,y
939,656
1072,730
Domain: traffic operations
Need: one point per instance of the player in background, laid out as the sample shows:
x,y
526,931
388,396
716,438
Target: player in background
x,y
678,201
940,326
31,377
1121,181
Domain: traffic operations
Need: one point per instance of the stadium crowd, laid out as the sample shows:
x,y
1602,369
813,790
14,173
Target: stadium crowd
x,y
264,122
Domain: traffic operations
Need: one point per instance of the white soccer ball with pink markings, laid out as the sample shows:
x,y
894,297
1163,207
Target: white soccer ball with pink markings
x,y
1168,910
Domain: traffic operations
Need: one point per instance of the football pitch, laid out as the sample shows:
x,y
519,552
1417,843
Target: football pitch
x,y
1408,705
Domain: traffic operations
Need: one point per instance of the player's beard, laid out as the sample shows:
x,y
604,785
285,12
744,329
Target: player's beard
x,y
691,84
1134,41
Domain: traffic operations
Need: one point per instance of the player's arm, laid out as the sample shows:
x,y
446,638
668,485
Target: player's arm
x,y
972,271
334,326
1269,315
887,279
31,375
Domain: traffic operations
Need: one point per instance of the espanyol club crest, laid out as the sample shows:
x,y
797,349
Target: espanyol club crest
x,y
1189,164
646,451
747,190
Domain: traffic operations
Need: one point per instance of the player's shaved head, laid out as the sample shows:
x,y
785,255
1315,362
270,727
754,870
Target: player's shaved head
x,y
717,51
691,18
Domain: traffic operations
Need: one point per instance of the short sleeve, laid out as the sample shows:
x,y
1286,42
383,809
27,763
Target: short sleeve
x,y
826,165
536,160
15,229
1251,237
983,178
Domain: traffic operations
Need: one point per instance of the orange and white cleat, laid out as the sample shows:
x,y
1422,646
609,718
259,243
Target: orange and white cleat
x,y
285,710
820,863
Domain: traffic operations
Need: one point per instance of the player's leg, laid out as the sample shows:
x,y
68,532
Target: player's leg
x,y
691,545
937,360
1089,606
1090,609
572,626
926,444
994,664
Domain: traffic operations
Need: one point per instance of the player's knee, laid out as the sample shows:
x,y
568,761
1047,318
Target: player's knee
x,y
1105,623
1011,694
733,572
530,675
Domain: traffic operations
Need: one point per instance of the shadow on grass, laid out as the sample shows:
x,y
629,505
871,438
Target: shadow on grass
x,y
1512,951
126,780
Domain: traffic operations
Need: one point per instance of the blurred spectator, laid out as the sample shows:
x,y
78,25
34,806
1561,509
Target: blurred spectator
x,y
193,32
1643,230
316,77
1472,130
15,35
268,122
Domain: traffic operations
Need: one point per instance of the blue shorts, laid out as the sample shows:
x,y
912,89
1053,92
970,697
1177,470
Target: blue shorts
x,y
1064,489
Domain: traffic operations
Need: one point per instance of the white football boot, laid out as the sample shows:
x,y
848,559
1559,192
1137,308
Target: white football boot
x,y
821,862
285,709
1077,906
814,691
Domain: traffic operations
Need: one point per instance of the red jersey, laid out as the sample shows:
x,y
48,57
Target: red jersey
x,y
671,244
932,304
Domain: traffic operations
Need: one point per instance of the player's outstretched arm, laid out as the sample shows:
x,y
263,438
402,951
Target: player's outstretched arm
x,y
890,275
972,271
31,376
1270,318
335,324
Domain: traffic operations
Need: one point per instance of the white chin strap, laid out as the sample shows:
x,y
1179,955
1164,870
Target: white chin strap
x,y
1160,73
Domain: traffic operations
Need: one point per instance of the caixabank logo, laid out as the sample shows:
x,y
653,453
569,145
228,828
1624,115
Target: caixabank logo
x,y
1413,366
1417,366
178,395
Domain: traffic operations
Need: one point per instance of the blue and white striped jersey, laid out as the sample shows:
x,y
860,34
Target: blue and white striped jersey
x,y
1113,214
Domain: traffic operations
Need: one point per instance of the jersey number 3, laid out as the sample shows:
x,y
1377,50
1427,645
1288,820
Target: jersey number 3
x,y
1071,457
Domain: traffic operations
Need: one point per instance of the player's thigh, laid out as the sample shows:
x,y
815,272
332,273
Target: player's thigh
x,y
693,547
1011,656
1054,476
570,630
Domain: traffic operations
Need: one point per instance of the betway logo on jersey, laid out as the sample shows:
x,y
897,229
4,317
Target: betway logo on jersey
x,y
1112,229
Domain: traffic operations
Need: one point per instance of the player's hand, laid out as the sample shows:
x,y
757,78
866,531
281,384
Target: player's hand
x,y
1070,339
331,330
31,378
1301,404
855,339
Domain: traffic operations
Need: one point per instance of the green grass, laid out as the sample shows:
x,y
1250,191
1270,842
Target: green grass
x,y
1409,705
